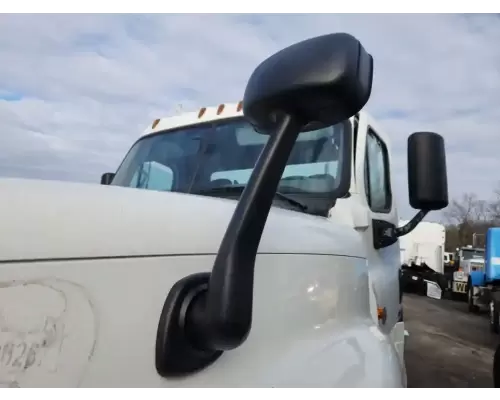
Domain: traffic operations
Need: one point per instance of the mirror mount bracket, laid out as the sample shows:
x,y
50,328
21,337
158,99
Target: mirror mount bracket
x,y
386,234
107,178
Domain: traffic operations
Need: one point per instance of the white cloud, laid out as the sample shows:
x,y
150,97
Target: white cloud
x,y
81,88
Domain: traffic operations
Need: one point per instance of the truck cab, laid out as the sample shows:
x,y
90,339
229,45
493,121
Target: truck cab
x,y
212,151
472,259
249,245
467,259
448,260
484,280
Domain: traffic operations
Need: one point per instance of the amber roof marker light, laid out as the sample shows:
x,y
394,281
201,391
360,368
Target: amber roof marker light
x,y
220,109
155,123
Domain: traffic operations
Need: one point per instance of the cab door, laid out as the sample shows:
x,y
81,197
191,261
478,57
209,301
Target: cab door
x,y
374,186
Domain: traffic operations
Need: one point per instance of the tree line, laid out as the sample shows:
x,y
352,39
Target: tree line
x,y
468,218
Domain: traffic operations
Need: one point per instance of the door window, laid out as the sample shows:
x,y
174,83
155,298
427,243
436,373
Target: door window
x,y
377,177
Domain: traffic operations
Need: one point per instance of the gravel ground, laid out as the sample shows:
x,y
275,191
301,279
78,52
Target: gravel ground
x,y
447,346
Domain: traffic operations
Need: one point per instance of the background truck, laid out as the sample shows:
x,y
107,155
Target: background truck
x,y
484,280
448,261
422,259
424,245
466,259
267,255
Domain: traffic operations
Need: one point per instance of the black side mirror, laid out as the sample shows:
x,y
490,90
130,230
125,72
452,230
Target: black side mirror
x,y
107,178
427,185
313,84
320,81
427,176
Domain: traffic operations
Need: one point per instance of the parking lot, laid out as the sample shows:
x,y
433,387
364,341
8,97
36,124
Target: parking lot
x,y
447,346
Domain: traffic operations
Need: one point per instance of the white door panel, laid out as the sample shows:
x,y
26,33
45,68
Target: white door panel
x,y
384,263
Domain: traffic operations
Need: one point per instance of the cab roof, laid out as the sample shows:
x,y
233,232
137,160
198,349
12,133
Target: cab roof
x,y
204,114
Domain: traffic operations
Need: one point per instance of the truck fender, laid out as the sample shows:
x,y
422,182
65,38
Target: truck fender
x,y
477,278
397,334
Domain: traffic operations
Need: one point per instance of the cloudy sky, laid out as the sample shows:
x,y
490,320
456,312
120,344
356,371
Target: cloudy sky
x,y
76,91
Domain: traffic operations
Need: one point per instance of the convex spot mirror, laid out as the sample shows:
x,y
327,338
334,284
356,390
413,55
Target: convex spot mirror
x,y
427,176
321,81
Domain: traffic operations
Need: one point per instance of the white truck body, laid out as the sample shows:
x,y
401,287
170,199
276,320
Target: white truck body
x,y
425,244
83,283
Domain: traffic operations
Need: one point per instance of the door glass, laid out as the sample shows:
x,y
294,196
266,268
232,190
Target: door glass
x,y
377,174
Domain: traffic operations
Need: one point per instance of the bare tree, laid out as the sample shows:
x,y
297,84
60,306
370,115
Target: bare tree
x,y
470,217
494,206
464,214
461,211
481,211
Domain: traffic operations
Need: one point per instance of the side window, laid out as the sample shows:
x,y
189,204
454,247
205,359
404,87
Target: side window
x,y
153,176
377,181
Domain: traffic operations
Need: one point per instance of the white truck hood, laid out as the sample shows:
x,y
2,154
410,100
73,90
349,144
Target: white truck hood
x,y
60,220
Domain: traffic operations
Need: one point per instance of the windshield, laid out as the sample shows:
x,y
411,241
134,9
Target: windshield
x,y
472,254
223,153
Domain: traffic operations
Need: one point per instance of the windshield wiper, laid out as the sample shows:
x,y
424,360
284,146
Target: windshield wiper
x,y
238,189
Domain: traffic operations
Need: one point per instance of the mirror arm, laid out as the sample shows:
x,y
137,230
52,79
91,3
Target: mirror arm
x,y
316,83
208,313
386,233
412,224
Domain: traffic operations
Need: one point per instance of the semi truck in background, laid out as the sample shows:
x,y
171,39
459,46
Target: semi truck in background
x,y
422,256
448,261
466,260
424,245
483,280
264,254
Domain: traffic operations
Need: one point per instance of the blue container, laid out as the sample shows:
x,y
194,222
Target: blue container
x,y
492,255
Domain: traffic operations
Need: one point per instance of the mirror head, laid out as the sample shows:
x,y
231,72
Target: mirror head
x,y
427,175
322,81
106,178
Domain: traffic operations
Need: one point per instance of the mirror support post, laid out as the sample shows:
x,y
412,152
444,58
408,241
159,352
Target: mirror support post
x,y
317,83
208,313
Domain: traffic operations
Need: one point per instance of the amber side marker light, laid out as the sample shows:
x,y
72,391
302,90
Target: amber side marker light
x,y
382,314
